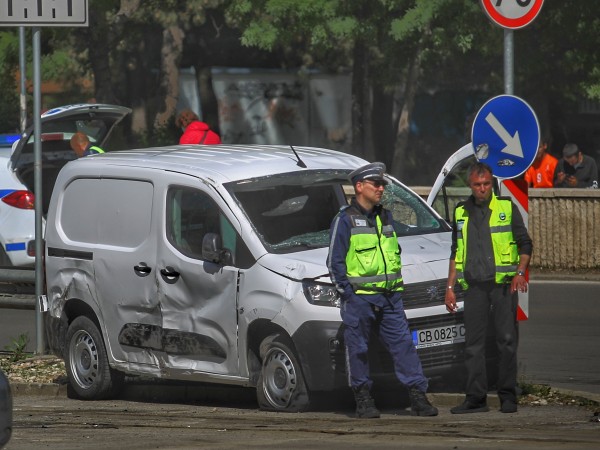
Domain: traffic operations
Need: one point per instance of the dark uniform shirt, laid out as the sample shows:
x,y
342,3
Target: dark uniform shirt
x,y
480,265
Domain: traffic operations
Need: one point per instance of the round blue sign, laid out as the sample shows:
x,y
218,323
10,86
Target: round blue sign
x,y
506,135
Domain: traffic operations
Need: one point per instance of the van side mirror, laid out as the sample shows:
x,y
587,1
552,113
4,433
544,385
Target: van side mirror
x,y
212,249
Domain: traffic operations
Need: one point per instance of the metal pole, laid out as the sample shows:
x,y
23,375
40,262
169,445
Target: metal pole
x,y
509,62
22,68
37,173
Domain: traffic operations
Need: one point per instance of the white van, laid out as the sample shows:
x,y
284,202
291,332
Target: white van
x,y
207,263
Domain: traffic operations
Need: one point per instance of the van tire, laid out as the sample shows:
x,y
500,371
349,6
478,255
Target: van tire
x,y
281,385
90,376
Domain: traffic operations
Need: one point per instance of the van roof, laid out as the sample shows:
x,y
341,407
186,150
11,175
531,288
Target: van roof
x,y
224,162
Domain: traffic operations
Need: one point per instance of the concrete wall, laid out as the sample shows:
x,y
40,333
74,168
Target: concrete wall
x,y
564,225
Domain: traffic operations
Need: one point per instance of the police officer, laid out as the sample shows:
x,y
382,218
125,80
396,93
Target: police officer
x,y
364,263
490,253
82,146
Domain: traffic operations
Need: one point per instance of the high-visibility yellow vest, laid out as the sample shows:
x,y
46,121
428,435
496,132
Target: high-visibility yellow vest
x,y
506,255
373,260
96,149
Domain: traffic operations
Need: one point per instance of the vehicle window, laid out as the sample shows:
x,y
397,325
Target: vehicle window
x,y
294,211
411,215
84,197
190,215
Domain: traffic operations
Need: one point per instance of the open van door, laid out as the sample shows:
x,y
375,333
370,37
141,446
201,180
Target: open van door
x,y
451,187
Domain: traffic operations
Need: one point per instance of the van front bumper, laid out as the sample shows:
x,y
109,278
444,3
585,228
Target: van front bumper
x,y
320,347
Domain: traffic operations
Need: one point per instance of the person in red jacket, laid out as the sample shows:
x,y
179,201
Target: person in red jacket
x,y
195,131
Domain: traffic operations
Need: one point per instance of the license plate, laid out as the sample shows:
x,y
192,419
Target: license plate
x,y
434,337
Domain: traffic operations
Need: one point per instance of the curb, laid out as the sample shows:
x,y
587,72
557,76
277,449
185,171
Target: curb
x,y
186,393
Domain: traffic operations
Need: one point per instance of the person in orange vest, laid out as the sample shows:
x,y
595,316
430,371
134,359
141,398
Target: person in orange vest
x,y
541,172
82,146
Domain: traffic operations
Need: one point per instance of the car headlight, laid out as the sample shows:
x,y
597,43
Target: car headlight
x,y
321,294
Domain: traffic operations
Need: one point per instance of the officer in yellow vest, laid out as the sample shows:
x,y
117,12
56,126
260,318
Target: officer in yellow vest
x,y
364,263
489,256
82,146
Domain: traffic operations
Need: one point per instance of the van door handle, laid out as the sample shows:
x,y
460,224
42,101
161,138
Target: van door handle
x,y
170,273
142,269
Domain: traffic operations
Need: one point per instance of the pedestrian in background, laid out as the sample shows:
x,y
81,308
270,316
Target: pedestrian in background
x,y
195,131
81,145
541,172
365,265
490,253
575,169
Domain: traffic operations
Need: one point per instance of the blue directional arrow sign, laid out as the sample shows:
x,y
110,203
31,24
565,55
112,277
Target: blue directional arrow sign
x,y
506,135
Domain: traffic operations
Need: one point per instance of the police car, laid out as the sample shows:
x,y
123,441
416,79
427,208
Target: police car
x,y
17,214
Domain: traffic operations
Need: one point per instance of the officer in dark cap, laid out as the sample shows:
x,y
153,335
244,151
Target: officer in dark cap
x,y
364,263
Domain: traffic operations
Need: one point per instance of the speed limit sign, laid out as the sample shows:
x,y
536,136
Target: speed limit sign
x,y
512,14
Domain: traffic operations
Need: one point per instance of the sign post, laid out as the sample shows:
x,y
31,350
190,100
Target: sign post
x,y
37,13
511,15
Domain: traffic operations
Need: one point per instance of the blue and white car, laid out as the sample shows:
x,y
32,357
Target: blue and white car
x,y
17,214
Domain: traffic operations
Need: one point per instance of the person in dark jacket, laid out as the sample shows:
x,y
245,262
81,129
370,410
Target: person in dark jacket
x,y
575,170
489,256
364,263
195,131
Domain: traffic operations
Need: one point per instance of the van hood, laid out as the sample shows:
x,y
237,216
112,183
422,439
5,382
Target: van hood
x,y
416,251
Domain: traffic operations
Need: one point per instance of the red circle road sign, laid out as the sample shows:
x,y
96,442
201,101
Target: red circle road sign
x,y
512,14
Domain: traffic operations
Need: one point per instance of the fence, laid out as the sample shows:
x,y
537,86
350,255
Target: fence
x,y
564,225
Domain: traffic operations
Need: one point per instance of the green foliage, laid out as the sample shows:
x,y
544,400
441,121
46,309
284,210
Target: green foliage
x,y
17,348
9,99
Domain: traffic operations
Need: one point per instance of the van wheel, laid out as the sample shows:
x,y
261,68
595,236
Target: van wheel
x,y
90,376
281,385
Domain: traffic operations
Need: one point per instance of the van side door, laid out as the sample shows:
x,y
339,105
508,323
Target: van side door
x,y
198,297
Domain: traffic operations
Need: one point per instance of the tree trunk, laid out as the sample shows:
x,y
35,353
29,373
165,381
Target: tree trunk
x,y
382,124
410,91
172,47
360,101
99,47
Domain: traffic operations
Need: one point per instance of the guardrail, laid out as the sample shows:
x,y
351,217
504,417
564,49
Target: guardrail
x,y
17,288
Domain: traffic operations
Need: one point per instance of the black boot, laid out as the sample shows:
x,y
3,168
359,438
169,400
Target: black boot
x,y
365,405
419,405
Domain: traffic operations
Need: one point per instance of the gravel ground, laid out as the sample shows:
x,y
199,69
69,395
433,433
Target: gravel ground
x,y
50,369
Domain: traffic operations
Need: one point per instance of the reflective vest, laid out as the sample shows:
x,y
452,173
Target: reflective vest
x,y
93,149
373,259
506,255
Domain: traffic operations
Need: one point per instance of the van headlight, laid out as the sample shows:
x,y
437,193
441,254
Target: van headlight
x,y
321,294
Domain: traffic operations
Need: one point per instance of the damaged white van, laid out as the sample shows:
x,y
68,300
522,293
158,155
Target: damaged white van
x,y
207,264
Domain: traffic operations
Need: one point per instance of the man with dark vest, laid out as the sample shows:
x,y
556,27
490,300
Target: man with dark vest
x,y
364,263
490,253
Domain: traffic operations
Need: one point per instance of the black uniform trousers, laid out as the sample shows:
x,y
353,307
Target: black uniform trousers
x,y
490,305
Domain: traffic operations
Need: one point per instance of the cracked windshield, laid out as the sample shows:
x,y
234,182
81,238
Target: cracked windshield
x,y
293,212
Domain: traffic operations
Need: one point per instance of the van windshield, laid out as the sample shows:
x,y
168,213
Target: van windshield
x,y
293,211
